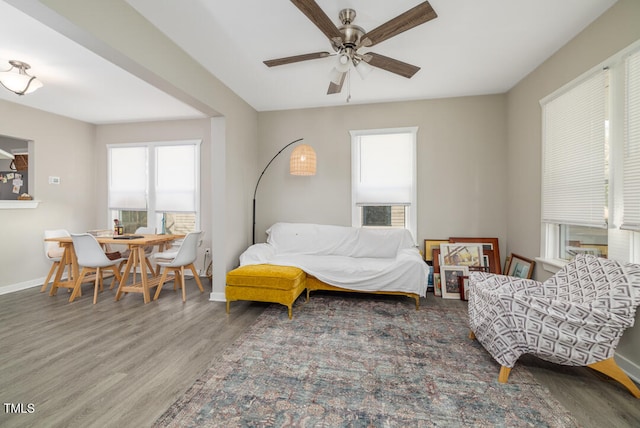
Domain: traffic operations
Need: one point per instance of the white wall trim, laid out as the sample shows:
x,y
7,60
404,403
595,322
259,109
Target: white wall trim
x,y
14,205
219,250
12,288
216,296
629,367
551,265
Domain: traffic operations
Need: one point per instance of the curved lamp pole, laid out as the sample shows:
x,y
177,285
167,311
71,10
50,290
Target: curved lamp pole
x,y
260,178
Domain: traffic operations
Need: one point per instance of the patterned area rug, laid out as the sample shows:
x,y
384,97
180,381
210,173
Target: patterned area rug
x,y
362,361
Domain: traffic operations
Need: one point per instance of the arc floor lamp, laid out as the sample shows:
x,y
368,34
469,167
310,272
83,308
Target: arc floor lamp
x,y
301,162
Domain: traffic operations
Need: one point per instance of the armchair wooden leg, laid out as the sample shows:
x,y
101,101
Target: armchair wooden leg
x,y
611,369
504,374
472,335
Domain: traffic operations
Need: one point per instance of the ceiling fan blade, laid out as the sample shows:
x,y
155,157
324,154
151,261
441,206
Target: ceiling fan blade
x,y
393,65
295,58
316,15
403,22
336,89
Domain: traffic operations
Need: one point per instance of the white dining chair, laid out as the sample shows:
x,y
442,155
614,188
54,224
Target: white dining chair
x,y
176,262
92,258
54,252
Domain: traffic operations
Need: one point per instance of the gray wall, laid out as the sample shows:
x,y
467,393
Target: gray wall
x,y
461,164
613,31
62,147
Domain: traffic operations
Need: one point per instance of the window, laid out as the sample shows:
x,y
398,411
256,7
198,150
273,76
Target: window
x,y
591,142
384,178
155,185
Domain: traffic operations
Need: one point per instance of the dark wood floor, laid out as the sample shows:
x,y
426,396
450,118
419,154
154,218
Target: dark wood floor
x,y
122,364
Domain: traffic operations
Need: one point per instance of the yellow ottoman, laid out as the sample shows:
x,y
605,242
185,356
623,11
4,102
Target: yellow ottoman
x,y
265,283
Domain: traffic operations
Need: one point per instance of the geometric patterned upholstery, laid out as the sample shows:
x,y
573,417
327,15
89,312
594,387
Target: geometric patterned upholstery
x,y
576,317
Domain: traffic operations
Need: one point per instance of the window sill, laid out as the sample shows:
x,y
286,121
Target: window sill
x,y
551,265
13,205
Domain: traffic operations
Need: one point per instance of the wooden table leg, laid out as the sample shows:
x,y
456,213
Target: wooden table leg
x,y
143,273
68,257
125,275
58,277
77,288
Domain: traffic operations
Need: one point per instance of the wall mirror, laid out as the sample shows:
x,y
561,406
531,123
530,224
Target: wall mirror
x,y
14,167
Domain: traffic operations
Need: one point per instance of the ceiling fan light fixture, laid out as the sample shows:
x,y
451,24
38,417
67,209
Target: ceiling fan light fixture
x,y
17,80
363,69
343,62
335,76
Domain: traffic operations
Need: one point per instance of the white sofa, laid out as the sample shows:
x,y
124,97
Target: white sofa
x,y
382,261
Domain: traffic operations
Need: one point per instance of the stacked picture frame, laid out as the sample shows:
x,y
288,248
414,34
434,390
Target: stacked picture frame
x,y
451,260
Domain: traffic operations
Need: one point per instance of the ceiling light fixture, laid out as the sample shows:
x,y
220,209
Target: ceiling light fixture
x,y
363,68
346,57
17,80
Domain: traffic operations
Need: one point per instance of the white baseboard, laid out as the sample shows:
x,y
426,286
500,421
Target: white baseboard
x,y
217,297
22,286
630,368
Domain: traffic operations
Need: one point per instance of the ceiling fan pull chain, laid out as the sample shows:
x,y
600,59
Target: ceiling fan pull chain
x,y
349,85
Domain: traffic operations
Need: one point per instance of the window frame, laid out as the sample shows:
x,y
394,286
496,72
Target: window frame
x,y
623,245
411,214
151,169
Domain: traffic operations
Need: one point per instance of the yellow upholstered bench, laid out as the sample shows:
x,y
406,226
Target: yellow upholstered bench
x,y
265,283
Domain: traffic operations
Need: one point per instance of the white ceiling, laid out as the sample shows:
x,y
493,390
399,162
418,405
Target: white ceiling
x,y
473,47
78,83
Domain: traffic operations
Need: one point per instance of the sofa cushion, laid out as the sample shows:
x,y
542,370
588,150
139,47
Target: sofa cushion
x,y
328,240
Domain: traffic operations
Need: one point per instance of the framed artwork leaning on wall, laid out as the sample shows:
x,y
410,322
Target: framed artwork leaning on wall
x,y
449,279
487,244
520,267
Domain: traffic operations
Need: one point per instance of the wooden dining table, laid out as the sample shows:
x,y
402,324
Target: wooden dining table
x,y
137,257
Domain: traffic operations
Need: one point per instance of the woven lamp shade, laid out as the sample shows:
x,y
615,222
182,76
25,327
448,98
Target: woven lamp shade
x,y
303,161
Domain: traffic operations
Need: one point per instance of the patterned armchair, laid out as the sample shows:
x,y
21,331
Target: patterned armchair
x,y
575,318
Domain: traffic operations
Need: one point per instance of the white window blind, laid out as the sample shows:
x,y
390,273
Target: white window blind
x,y
385,170
176,178
631,217
128,178
573,177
